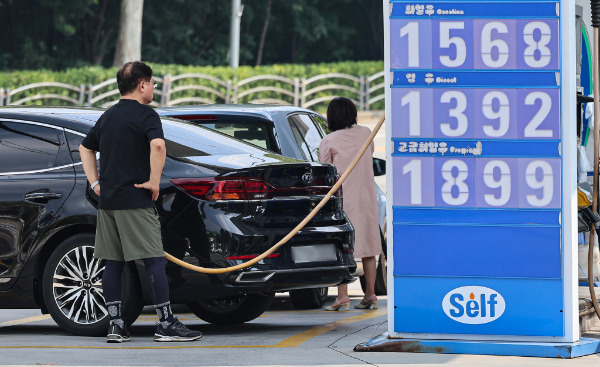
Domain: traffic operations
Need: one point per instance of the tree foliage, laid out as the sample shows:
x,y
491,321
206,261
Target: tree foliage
x,y
60,34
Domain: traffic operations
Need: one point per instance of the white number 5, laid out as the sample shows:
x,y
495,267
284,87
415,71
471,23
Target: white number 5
x,y
459,43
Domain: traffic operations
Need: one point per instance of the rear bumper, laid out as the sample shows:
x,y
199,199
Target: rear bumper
x,y
213,238
290,279
192,286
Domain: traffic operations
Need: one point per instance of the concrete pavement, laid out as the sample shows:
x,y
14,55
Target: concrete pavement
x,y
283,336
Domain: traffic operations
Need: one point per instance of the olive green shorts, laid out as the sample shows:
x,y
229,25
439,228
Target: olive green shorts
x,y
128,234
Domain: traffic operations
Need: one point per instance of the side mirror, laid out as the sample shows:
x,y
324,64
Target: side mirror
x,y
378,166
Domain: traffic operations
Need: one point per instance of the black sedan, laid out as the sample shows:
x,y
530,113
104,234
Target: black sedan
x,y
222,201
290,131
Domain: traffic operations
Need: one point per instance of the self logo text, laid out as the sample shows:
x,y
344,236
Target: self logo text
x,y
473,305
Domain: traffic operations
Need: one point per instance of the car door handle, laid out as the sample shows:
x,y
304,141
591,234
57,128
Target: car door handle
x,y
36,196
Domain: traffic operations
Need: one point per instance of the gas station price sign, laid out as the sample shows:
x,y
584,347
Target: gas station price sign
x,y
477,160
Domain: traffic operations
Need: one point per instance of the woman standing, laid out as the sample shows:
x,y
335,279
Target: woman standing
x,y
360,203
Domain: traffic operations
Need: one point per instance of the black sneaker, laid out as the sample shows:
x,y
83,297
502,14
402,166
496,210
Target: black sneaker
x,y
175,332
116,334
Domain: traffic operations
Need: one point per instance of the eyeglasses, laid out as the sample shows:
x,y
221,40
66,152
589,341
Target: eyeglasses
x,y
155,85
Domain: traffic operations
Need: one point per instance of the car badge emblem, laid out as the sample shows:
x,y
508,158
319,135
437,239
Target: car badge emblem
x,y
307,178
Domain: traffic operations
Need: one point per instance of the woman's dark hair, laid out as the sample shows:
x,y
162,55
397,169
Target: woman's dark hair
x,y
341,114
131,74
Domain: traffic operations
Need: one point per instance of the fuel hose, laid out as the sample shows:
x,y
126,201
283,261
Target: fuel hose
x,y
595,5
294,231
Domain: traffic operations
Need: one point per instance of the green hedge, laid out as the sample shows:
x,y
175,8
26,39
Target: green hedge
x,y
95,75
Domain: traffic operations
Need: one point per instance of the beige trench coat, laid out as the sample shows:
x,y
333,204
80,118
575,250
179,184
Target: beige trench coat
x,y
360,202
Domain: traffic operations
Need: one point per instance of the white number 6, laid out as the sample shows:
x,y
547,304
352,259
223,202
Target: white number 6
x,y
487,45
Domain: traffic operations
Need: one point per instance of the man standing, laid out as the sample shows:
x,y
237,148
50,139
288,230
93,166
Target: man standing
x,y
130,140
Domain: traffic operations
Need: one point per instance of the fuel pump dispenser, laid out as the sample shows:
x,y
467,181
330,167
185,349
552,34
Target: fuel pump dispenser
x,y
482,178
589,221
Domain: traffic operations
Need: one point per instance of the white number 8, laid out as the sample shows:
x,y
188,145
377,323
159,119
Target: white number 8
x,y
458,181
533,45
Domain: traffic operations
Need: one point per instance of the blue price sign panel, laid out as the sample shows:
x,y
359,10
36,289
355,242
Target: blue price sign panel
x,y
468,44
475,118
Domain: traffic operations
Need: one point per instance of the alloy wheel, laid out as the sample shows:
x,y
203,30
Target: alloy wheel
x,y
77,286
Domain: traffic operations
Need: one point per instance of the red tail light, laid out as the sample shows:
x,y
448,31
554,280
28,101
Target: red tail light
x,y
242,188
212,189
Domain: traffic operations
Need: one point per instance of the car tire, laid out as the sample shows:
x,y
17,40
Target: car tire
x,y
381,277
307,299
75,299
232,310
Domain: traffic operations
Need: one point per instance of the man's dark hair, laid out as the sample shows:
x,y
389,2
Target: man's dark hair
x,y
131,74
341,114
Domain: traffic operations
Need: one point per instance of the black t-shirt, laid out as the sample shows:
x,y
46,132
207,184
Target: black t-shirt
x,y
122,135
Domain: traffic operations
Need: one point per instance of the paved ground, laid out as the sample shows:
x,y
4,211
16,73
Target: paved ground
x,y
281,337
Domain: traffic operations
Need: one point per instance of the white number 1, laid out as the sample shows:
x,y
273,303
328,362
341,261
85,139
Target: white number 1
x,y
412,30
414,169
413,100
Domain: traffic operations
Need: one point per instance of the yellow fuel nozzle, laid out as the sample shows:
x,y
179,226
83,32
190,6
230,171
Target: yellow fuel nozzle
x,y
582,199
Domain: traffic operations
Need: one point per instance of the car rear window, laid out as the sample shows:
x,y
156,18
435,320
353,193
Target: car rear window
x,y
186,140
307,136
253,133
